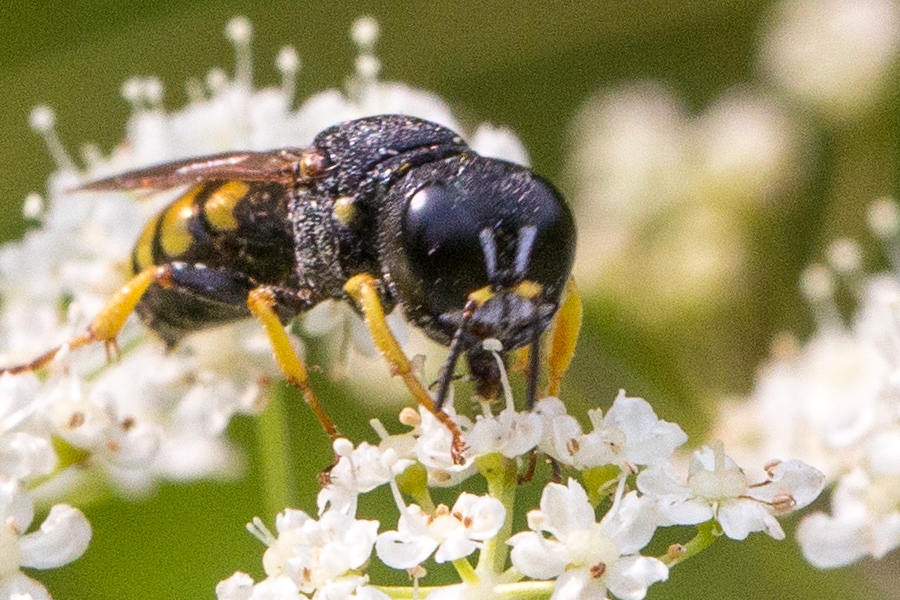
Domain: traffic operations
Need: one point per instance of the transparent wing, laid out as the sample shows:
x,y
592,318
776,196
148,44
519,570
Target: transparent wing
x,y
275,165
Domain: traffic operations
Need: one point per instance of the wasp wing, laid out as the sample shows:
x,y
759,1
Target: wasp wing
x,y
275,165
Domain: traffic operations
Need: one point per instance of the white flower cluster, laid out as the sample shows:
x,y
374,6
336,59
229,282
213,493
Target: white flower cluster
x,y
566,553
835,56
85,421
668,198
155,414
663,196
834,402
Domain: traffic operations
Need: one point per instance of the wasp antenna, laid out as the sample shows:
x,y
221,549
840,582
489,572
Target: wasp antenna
x,y
489,247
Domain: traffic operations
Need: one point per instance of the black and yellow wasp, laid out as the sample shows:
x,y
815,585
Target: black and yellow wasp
x,y
382,211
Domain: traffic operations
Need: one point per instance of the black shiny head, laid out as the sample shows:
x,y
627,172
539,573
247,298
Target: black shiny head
x,y
479,249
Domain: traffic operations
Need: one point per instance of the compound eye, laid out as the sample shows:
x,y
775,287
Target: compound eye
x,y
441,240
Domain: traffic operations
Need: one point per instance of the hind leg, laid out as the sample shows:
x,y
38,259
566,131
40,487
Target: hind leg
x,y
191,297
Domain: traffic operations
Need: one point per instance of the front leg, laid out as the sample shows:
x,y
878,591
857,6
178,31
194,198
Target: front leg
x,y
564,337
363,288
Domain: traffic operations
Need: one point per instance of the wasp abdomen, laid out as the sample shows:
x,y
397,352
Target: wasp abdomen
x,y
237,225
225,237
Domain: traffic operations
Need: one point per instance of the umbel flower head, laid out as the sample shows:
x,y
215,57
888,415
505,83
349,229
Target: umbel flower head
x,y
833,403
566,552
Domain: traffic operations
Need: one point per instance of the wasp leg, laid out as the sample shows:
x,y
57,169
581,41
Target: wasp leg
x,y
107,324
564,337
262,302
363,288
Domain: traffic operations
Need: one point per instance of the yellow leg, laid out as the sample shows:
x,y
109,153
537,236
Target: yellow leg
x,y
563,338
107,324
363,289
261,302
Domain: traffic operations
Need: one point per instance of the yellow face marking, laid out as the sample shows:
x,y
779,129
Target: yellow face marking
x,y
219,207
174,237
344,211
143,249
529,289
482,295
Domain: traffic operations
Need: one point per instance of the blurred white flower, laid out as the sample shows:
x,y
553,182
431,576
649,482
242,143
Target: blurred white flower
x,y
837,56
62,537
834,402
663,197
864,521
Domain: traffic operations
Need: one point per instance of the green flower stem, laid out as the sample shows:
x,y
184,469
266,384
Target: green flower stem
x,y
67,457
466,571
404,592
707,533
525,589
274,456
502,479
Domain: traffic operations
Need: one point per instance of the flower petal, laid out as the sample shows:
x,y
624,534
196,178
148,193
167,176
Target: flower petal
x,y
21,586
403,552
537,557
630,577
64,536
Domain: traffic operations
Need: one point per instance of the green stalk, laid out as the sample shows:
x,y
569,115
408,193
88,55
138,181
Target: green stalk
x,y
502,479
525,590
405,592
466,572
274,456
707,533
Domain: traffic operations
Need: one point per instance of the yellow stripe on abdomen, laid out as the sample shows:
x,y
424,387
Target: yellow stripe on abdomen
x,y
142,256
219,206
174,236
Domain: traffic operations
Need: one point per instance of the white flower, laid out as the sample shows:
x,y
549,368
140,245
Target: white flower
x,y
717,488
23,455
237,587
587,558
835,55
509,433
62,537
452,533
240,586
361,470
314,553
433,448
629,434
864,521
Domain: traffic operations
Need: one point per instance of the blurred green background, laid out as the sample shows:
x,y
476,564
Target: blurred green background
x,y
528,65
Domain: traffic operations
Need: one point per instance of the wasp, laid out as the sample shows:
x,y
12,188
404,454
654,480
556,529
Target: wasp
x,y
383,212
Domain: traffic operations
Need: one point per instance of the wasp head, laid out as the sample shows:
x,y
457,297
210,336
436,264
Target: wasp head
x,y
482,250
